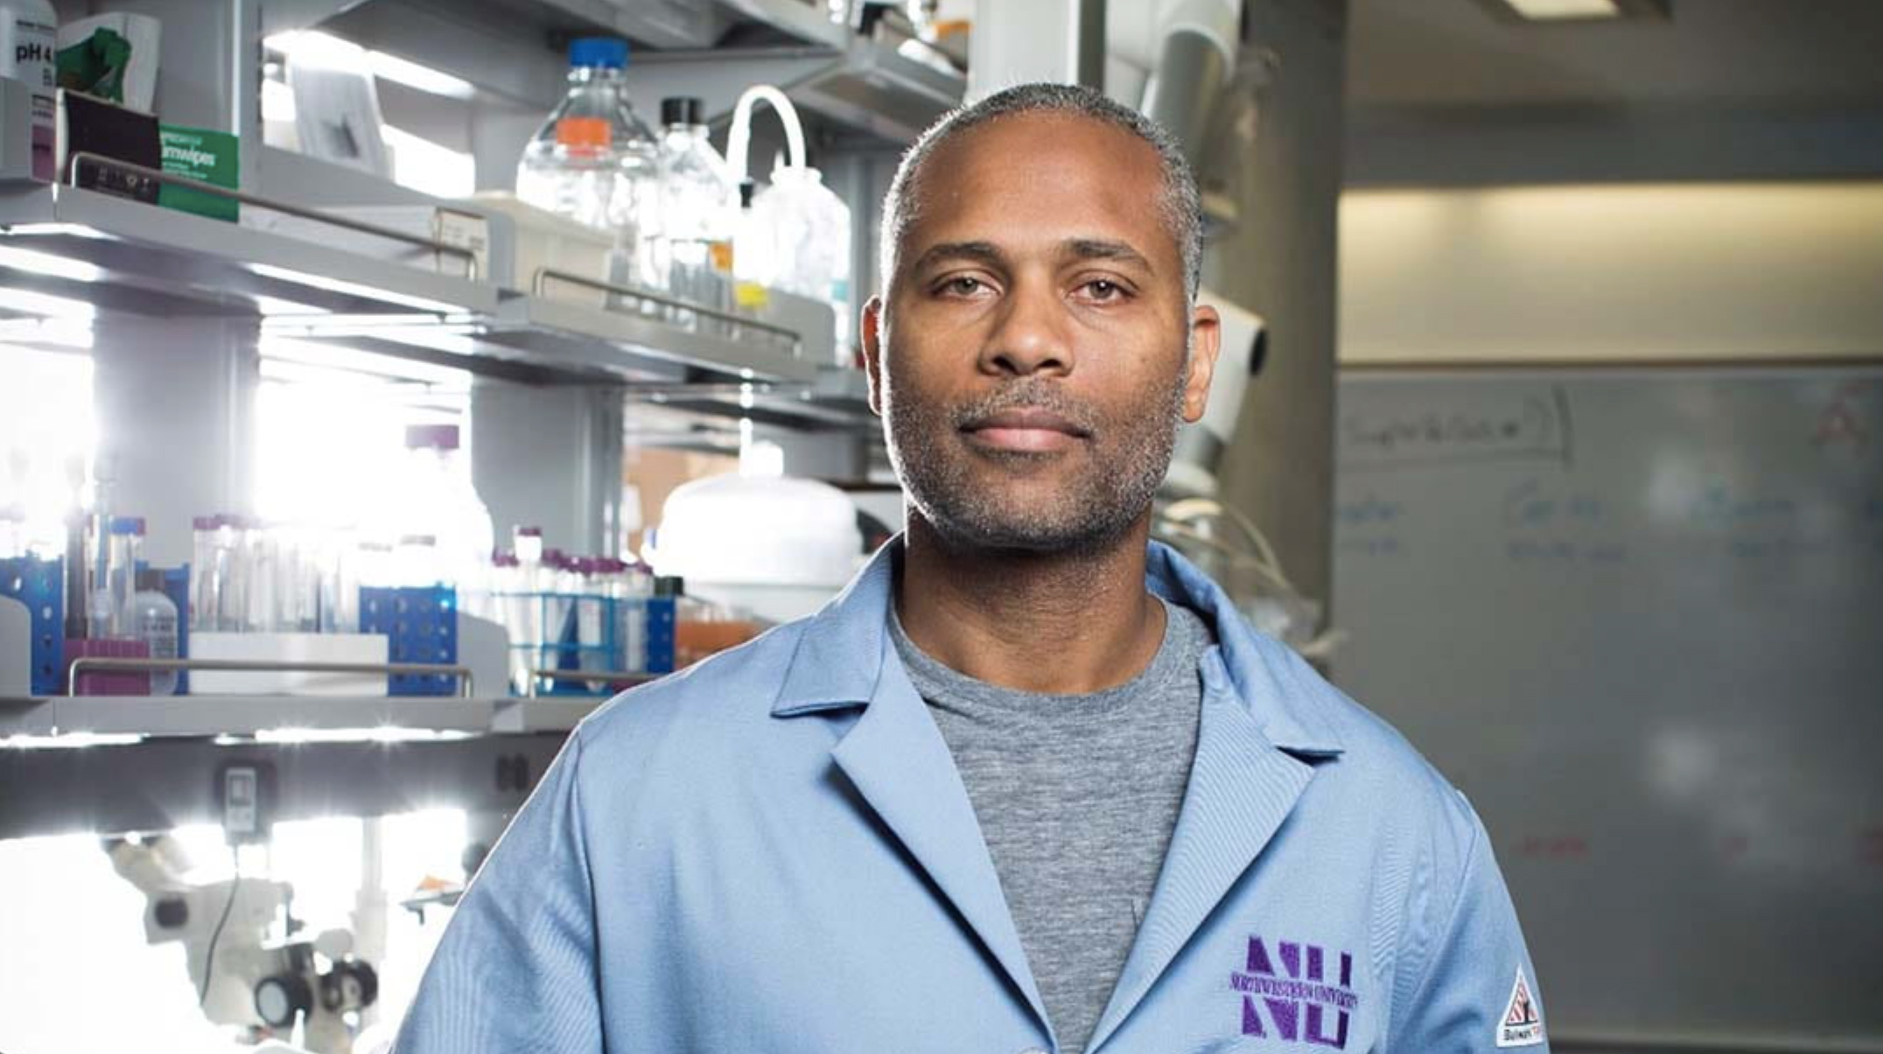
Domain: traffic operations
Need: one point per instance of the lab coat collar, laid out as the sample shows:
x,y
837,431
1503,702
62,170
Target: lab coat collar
x,y
840,655
1257,739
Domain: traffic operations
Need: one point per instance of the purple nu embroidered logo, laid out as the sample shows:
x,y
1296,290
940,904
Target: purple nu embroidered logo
x,y
1297,1002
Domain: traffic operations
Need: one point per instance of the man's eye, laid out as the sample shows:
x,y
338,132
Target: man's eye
x,y
963,286
1101,289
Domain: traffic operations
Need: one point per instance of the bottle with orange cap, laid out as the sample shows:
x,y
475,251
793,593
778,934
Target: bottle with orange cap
x,y
594,160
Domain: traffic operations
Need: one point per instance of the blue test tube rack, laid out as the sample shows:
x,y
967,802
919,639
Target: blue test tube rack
x,y
421,625
40,586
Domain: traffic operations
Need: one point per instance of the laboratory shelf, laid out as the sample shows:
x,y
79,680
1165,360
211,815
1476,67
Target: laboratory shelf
x,y
281,718
99,251
885,85
562,334
836,399
118,254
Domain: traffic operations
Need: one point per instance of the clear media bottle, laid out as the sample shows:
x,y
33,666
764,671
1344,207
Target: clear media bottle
x,y
151,617
594,160
438,499
699,204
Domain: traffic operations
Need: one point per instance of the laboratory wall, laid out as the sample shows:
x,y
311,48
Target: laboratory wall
x,y
1599,440
1613,273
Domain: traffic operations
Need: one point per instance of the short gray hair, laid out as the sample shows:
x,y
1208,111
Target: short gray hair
x,y
1180,201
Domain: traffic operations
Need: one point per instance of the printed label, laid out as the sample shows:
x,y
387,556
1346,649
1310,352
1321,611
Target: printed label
x,y
1521,1025
1298,1003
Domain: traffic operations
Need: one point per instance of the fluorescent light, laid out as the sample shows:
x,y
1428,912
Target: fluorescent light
x,y
317,48
1554,10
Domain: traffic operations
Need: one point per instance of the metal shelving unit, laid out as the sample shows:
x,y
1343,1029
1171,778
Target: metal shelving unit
x,y
282,717
112,253
90,253
117,254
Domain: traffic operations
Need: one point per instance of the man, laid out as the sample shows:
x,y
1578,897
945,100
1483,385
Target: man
x,y
1030,783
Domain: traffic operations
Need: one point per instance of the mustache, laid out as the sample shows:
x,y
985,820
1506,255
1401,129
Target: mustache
x,y
1031,392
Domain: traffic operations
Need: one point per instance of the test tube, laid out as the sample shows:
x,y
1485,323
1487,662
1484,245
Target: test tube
x,y
205,578
232,578
112,594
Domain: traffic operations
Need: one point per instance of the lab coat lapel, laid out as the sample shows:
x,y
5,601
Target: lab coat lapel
x,y
1241,789
898,761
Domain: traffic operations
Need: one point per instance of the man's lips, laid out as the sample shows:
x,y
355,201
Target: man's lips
x,y
1030,429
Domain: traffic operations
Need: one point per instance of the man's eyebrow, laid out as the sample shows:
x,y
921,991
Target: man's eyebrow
x,y
1103,249
979,252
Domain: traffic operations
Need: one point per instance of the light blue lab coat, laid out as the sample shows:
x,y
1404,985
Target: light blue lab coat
x,y
773,851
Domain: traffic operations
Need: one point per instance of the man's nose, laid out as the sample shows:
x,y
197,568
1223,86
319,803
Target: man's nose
x,y
1030,334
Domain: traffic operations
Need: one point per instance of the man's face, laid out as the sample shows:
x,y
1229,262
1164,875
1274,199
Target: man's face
x,y
1030,356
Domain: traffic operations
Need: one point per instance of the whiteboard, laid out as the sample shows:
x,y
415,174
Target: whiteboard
x,y
1637,616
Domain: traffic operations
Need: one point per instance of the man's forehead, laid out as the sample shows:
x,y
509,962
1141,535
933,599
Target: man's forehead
x,y
1043,178
1073,143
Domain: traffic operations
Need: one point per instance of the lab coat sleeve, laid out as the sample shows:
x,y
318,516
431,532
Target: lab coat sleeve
x,y
1464,986
516,968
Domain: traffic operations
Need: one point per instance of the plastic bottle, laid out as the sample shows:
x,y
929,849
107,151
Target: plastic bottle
x,y
418,563
594,159
698,209
438,499
795,234
377,565
29,40
150,616
805,228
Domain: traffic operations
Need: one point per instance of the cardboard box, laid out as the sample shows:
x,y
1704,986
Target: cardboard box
x,y
207,157
546,240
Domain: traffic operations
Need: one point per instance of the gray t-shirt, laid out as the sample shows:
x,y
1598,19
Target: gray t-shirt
x,y
1077,796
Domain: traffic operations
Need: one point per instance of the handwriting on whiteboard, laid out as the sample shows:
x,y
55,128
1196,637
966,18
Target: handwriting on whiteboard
x,y
1545,525
1369,526
1528,425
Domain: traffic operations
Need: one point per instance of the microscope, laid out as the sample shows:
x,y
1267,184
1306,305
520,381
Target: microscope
x,y
251,964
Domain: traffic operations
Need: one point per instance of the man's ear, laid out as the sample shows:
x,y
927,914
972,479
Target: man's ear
x,y
871,329
1206,340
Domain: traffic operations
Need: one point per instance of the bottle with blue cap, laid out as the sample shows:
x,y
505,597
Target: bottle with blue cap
x,y
594,159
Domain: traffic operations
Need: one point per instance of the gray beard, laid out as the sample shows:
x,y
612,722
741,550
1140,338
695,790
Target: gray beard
x,y
1094,514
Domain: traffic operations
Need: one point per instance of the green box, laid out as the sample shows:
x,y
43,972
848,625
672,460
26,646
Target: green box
x,y
206,156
